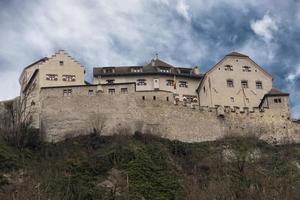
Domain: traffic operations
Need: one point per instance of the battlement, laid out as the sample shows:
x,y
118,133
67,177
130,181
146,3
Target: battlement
x,y
158,112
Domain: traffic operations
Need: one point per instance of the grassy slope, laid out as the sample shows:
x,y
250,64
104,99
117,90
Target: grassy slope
x,y
151,168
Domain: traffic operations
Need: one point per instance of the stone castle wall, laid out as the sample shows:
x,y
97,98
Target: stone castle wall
x,y
63,117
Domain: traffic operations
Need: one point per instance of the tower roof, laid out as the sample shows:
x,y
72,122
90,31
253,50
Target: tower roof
x,y
237,54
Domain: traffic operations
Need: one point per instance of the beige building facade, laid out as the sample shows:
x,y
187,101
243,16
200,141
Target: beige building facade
x,y
236,95
236,80
155,76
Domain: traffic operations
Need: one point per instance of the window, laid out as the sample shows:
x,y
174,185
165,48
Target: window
x,y
154,97
204,89
124,90
259,85
167,98
230,83
185,71
228,68
110,81
244,84
67,92
183,84
51,77
91,92
136,69
69,78
247,100
61,63
109,70
246,69
277,100
170,82
165,70
143,97
141,82
111,91
232,99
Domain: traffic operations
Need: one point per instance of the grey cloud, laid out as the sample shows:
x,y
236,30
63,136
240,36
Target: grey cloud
x,y
197,32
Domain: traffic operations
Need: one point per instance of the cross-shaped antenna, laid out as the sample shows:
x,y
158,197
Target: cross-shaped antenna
x,y
156,55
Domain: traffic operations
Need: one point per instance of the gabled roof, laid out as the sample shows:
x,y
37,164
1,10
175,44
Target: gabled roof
x,y
237,54
240,55
152,68
276,92
273,92
37,62
158,63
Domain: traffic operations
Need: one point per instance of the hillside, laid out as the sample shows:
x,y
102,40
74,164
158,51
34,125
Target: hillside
x,y
147,167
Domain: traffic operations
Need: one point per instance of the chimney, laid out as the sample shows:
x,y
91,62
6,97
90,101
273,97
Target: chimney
x,y
153,62
196,70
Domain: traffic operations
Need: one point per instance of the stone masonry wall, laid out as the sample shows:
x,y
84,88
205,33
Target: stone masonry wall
x,y
62,117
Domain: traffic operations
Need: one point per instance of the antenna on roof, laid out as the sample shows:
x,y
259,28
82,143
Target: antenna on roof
x,y
156,55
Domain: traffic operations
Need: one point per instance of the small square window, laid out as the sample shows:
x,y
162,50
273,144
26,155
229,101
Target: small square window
x,y
244,84
124,90
111,91
61,63
91,92
232,99
259,85
67,92
230,83
277,100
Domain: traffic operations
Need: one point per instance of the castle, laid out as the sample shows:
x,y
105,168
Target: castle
x,y
234,96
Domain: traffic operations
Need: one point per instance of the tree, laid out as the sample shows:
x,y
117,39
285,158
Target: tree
x,y
16,127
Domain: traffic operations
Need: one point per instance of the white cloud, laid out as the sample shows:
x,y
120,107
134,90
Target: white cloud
x,y
293,75
264,27
183,9
97,33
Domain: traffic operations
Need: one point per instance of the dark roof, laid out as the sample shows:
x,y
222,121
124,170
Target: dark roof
x,y
37,62
237,54
31,80
276,92
273,92
153,68
87,83
158,63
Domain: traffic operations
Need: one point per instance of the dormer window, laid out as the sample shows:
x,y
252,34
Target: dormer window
x,y
246,69
141,82
165,70
185,71
61,63
136,69
109,70
228,68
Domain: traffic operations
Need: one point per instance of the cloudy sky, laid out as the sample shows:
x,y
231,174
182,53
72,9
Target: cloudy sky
x,y
130,32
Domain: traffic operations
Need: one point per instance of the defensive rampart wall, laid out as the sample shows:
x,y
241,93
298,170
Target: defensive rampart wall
x,y
63,117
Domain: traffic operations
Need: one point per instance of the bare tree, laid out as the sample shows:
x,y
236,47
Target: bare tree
x,y
19,116
97,123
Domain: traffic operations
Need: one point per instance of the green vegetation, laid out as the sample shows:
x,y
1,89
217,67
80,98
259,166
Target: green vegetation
x,y
148,167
